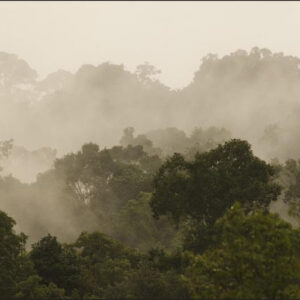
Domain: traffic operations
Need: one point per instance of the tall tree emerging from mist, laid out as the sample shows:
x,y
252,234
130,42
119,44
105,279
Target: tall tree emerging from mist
x,y
203,189
146,72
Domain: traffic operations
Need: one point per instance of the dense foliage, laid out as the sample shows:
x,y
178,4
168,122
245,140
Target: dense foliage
x,y
200,191
257,256
181,212
149,225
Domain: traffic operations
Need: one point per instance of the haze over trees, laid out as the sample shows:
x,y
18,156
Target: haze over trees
x,y
217,239
251,94
114,186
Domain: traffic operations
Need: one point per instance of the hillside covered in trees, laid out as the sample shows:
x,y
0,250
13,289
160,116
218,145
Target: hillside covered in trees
x,y
114,186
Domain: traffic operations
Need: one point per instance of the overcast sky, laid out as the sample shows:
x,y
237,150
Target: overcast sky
x,y
173,36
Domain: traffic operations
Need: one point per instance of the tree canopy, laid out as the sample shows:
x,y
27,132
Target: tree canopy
x,y
257,257
204,188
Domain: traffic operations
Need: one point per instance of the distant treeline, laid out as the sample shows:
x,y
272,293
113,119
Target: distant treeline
x,y
252,94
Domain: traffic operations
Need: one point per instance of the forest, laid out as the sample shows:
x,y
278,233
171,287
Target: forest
x,y
114,186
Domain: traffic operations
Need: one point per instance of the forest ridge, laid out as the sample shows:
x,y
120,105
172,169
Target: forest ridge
x,y
114,186
252,94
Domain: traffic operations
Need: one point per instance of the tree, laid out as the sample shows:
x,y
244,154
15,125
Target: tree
x,y
127,137
13,260
291,173
33,288
56,263
128,182
148,282
15,71
104,180
136,227
203,189
105,262
257,257
139,142
5,149
202,140
170,140
146,72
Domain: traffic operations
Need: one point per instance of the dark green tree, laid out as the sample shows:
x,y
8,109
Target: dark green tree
x,y
33,288
56,263
106,262
257,257
203,189
14,263
147,282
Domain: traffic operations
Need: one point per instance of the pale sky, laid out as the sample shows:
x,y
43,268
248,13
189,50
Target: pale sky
x,y
173,36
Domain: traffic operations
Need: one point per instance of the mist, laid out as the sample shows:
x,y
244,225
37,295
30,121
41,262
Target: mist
x,y
249,95
149,150
253,94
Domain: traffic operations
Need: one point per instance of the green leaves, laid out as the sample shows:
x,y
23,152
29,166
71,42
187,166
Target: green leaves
x,y
257,257
56,263
33,288
205,187
105,262
14,264
196,193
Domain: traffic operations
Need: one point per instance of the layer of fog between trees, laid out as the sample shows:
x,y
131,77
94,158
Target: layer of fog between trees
x,y
249,95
